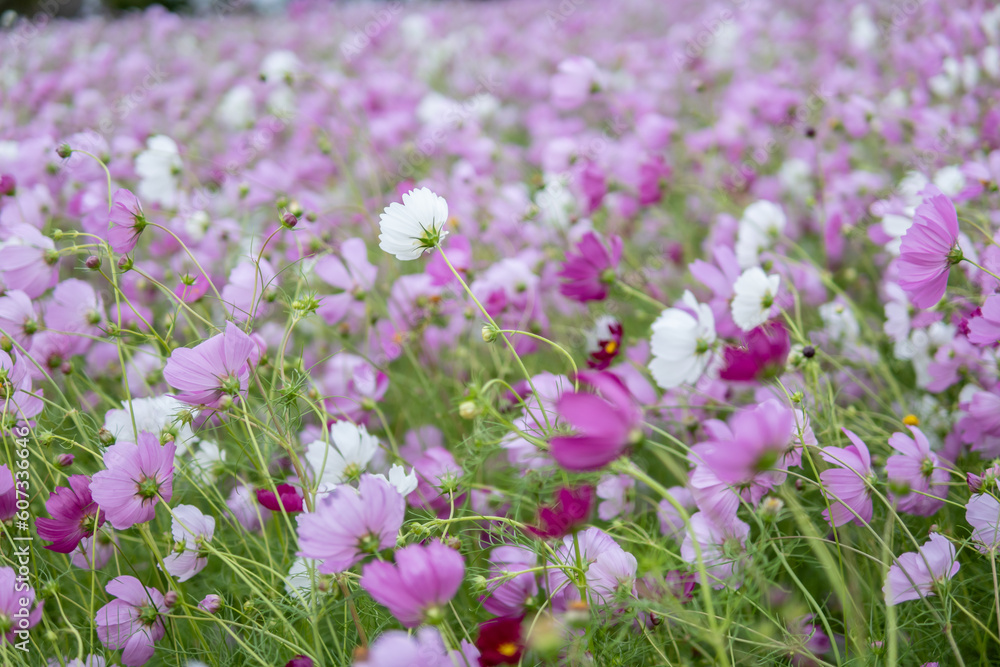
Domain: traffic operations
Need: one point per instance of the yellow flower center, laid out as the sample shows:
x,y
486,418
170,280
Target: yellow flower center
x,y
610,347
911,420
507,649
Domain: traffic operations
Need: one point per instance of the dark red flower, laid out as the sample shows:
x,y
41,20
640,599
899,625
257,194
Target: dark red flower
x,y
299,660
572,507
762,355
290,500
607,349
500,642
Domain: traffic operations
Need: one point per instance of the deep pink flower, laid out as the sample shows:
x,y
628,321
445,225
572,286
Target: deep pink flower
x,y
849,485
916,574
349,524
917,474
985,329
8,185
300,661
571,509
761,356
137,477
16,601
75,515
126,222
416,588
588,274
500,641
212,370
133,621
605,424
287,498
929,249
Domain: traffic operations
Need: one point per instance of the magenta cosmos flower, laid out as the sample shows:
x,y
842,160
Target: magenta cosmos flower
x,y
850,484
570,510
75,516
762,355
349,524
16,601
605,424
8,494
588,274
213,370
917,573
126,222
415,588
916,474
138,476
284,498
929,249
131,623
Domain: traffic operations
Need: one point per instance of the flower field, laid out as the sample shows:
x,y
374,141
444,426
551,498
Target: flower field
x,y
513,333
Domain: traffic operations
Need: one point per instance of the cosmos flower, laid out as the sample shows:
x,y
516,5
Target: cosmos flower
x,y
762,222
723,548
849,485
571,509
983,514
345,458
158,167
929,249
512,587
190,529
588,273
753,297
133,622
761,356
349,524
682,343
126,222
500,641
605,424
75,515
423,579
138,476
285,498
213,370
917,474
915,575
17,607
423,648
416,225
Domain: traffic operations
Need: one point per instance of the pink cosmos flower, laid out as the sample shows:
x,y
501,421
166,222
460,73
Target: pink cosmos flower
x,y
350,386
133,621
985,329
983,514
190,288
915,575
752,456
349,524
608,568
849,485
605,424
75,308
284,498
917,474
576,79
511,587
761,356
353,275
211,603
16,601
93,553
137,477
671,522
245,509
588,274
243,295
30,262
190,529
212,370
929,249
126,222
571,509
616,492
424,648
437,481
723,548
18,319
75,515
416,588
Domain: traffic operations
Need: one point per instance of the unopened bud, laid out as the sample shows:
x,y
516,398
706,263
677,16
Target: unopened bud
x,y
64,151
106,437
211,604
93,262
125,263
64,460
170,598
289,220
469,410
489,333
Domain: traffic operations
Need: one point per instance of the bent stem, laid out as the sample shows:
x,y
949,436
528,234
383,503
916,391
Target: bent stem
x,y
496,327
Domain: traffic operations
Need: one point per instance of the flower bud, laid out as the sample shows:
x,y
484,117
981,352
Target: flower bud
x,y
93,262
211,604
125,263
289,220
64,151
106,437
469,410
170,598
64,460
489,333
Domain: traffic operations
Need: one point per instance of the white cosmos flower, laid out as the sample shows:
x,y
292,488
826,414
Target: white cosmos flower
x,y
761,223
413,226
280,65
158,167
345,458
754,293
405,483
682,344
236,110
157,415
